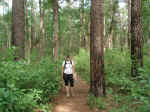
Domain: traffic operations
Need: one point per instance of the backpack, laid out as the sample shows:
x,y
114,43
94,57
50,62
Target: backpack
x,y
66,63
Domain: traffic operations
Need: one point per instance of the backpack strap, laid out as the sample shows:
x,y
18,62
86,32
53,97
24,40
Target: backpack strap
x,y
66,63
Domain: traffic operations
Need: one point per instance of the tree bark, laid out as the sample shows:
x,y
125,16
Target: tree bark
x,y
32,25
42,30
88,36
28,36
129,23
70,28
71,50
111,37
136,37
97,86
8,31
18,30
82,31
56,29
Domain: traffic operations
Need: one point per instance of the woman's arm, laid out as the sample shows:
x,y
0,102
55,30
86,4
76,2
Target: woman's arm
x,y
73,69
62,72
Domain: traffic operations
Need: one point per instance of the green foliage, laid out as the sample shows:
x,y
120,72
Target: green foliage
x,y
15,100
91,100
146,18
128,91
94,101
82,66
124,108
117,69
100,104
24,86
128,94
46,107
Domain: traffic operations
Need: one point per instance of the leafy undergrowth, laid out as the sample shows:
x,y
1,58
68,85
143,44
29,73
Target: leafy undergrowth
x,y
124,94
25,87
82,65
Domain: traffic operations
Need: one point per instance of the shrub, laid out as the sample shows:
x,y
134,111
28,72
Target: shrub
x,y
82,66
94,101
128,94
91,100
23,87
15,100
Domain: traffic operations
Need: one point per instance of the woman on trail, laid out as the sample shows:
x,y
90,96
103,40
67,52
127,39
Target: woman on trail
x,y
67,75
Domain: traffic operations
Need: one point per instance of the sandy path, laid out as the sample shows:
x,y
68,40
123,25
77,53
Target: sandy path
x,y
76,103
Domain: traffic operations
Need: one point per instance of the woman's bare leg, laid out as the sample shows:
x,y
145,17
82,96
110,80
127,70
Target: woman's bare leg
x,y
67,91
72,91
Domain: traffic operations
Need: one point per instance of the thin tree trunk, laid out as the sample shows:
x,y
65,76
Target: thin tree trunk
x,y
110,37
70,27
28,36
97,86
136,37
114,40
8,31
56,29
28,50
18,30
82,31
61,46
71,43
32,25
7,34
88,40
42,30
129,24
122,43
122,38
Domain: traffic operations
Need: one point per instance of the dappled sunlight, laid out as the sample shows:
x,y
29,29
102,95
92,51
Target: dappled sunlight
x,y
63,108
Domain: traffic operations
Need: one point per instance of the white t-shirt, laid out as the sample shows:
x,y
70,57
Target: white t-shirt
x,y
68,67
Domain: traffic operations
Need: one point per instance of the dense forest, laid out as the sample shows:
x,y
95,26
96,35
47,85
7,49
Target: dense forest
x,y
107,39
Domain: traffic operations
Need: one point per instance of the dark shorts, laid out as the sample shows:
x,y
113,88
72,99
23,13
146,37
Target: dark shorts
x,y
68,79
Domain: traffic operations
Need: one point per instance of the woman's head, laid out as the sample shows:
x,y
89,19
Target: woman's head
x,y
67,57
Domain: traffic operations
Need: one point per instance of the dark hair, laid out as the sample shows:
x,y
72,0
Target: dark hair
x,y
68,56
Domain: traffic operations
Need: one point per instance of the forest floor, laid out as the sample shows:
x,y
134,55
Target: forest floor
x,y
77,103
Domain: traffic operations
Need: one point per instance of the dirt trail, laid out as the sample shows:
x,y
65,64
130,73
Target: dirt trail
x,y
76,103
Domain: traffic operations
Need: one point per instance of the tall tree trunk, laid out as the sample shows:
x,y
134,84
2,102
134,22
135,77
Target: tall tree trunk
x,y
70,27
56,29
111,37
28,36
82,31
122,42
28,44
97,86
129,23
61,44
88,40
32,24
114,40
8,31
18,30
71,51
122,38
42,30
7,34
136,37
